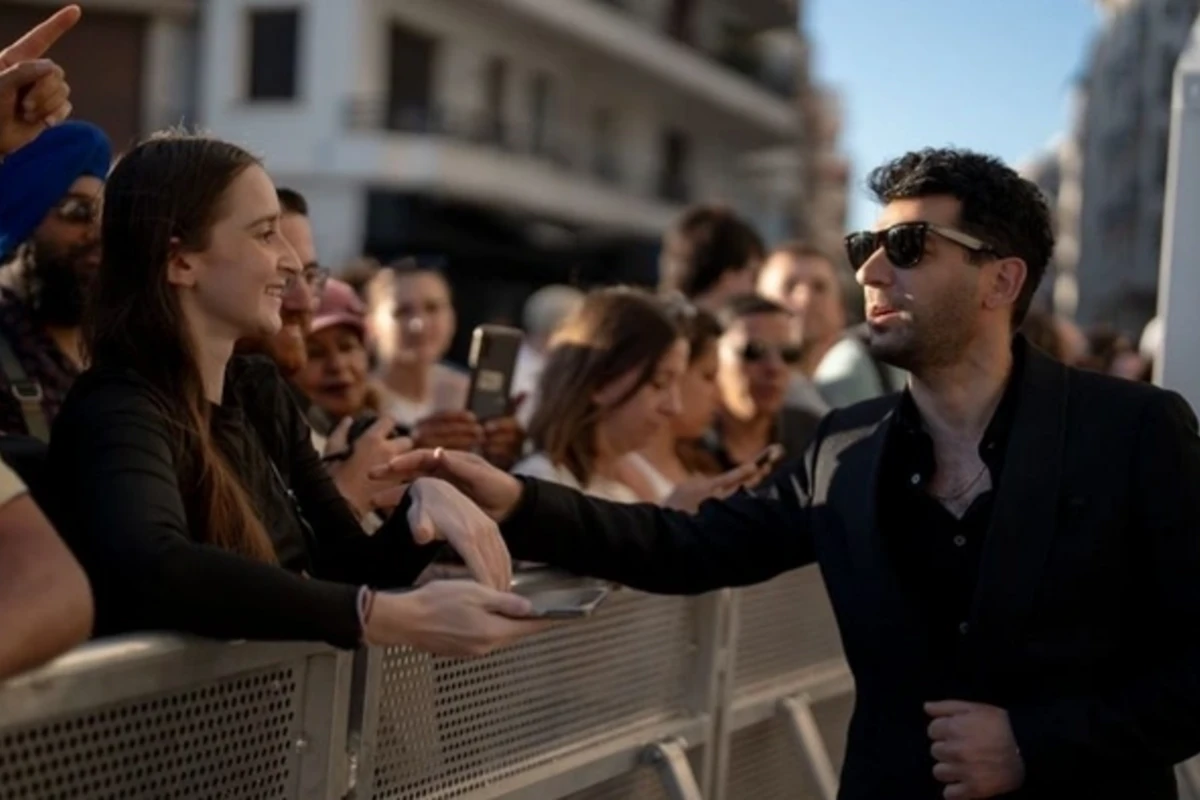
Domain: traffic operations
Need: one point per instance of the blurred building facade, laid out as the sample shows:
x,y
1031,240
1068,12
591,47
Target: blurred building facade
x,y
1113,164
518,141
132,63
825,193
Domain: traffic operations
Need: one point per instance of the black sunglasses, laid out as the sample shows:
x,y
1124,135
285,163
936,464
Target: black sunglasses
x,y
753,352
904,243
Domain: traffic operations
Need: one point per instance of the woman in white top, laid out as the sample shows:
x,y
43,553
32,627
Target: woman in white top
x,y
610,383
673,455
412,322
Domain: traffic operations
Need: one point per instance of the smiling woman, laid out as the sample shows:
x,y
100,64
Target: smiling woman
x,y
335,376
187,481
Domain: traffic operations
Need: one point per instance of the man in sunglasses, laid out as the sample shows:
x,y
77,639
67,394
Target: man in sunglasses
x,y
806,281
50,238
1011,546
757,357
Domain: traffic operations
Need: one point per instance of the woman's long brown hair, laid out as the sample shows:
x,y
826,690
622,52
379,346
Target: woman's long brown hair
x,y
703,331
614,332
167,193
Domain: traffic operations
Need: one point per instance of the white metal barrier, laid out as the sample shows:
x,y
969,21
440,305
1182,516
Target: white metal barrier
x,y
168,718
734,694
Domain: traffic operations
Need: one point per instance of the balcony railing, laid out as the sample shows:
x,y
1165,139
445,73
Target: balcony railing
x,y
478,128
564,148
742,51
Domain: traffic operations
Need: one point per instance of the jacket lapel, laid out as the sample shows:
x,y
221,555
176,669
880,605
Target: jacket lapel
x,y
854,488
1025,513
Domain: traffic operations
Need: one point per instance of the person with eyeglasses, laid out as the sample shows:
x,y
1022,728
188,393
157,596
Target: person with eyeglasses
x,y
50,210
1010,545
348,463
758,354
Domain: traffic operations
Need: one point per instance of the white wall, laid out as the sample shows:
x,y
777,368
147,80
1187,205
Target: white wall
x,y
343,57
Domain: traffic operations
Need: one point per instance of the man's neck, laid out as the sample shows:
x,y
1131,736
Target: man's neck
x,y
957,401
814,353
69,341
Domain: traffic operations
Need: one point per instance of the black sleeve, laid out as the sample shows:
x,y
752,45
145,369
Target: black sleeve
x,y
745,539
1154,719
387,559
125,520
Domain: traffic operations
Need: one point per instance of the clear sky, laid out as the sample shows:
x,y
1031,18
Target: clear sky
x,y
991,75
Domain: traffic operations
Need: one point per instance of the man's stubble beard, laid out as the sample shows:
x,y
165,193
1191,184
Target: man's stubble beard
x,y
932,339
56,284
287,347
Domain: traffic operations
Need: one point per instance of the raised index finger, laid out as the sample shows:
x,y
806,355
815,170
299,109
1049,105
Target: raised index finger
x,y
41,37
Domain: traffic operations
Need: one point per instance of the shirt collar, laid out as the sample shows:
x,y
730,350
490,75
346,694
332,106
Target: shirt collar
x,y
907,420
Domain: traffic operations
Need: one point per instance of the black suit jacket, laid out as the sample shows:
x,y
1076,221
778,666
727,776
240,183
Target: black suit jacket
x,y
1086,622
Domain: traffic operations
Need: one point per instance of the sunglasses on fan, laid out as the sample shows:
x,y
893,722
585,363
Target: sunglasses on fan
x,y
904,243
753,352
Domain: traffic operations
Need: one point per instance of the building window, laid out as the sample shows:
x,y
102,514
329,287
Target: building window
x,y
672,182
681,21
605,164
540,109
274,53
411,58
495,101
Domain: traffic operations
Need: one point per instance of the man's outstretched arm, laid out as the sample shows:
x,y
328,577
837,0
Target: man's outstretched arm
x,y
745,539
742,540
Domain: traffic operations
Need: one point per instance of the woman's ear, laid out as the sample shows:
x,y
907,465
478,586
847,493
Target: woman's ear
x,y
181,266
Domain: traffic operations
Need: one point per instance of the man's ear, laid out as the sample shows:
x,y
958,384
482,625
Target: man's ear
x,y
1008,276
181,267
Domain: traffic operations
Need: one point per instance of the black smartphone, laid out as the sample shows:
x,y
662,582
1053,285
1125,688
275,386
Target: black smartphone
x,y
567,603
493,361
770,454
364,422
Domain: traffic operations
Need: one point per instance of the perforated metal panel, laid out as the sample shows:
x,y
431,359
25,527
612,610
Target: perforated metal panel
x,y
231,739
448,727
766,764
784,626
644,783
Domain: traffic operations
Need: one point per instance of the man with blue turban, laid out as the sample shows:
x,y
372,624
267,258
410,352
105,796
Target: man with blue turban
x,y
51,192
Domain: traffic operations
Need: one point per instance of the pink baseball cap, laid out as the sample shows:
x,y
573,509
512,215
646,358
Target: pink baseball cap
x,y
340,305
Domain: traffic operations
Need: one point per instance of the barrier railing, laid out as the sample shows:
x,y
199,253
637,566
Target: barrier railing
x,y
165,717
733,694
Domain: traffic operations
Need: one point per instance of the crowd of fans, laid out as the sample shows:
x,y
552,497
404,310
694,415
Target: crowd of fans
x,y
195,402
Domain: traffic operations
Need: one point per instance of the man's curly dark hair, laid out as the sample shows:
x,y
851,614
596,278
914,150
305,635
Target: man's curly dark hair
x,y
1000,207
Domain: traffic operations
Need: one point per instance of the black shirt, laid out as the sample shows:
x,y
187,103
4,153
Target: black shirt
x,y
122,508
935,555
